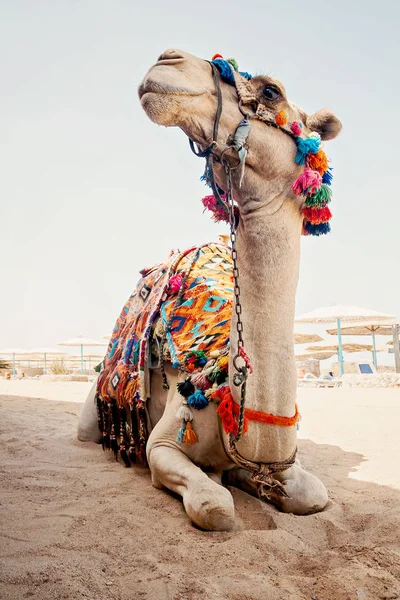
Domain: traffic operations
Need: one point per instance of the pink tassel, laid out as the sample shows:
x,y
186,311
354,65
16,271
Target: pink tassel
x,y
307,183
201,381
209,202
296,128
175,283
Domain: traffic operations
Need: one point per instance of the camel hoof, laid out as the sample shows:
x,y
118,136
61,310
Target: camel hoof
x,y
211,512
307,494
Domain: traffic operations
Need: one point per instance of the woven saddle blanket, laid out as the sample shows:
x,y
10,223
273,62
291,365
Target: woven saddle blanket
x,y
189,298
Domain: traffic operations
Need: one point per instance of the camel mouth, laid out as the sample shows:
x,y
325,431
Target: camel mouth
x,y
151,86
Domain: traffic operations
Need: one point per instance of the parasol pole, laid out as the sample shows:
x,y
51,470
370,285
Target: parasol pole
x,y
374,357
81,359
396,350
14,369
339,332
45,364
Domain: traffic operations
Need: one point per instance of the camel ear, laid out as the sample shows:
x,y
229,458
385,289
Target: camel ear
x,y
325,123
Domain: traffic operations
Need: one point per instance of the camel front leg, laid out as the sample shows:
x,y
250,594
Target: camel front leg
x,y
307,494
88,430
208,504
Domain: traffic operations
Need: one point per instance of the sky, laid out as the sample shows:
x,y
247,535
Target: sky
x,y
91,191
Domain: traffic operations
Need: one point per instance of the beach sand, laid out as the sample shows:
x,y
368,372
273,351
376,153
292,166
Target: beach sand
x,y
75,524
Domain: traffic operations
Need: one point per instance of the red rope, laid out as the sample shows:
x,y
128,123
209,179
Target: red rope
x,y
228,410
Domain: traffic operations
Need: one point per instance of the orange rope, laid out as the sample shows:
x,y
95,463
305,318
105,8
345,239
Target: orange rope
x,y
270,419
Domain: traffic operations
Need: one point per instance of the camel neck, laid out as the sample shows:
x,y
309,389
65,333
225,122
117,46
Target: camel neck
x,y
268,249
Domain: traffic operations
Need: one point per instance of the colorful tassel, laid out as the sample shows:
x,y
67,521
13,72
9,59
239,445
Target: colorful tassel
x,y
180,436
327,177
175,283
223,362
296,127
321,198
185,388
307,183
201,381
225,70
184,413
310,229
190,436
197,400
318,162
195,359
281,118
217,208
315,216
309,145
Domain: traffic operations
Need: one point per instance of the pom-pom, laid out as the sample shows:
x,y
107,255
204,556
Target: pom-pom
x,y
217,56
321,198
223,362
310,229
185,388
181,433
175,283
218,209
327,177
307,183
309,145
195,359
318,162
190,436
296,127
233,63
281,118
201,381
315,216
197,400
184,413
225,70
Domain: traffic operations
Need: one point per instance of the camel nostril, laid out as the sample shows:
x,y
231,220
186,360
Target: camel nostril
x,y
170,54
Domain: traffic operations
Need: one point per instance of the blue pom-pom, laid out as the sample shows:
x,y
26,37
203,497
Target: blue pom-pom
x,y
225,69
245,75
320,229
304,146
327,177
197,400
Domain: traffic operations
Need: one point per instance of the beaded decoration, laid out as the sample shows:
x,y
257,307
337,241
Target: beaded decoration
x,y
314,182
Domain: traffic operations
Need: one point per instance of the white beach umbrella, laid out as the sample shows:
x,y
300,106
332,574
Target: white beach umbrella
x,y
317,354
14,352
346,347
82,342
368,328
45,352
343,314
306,338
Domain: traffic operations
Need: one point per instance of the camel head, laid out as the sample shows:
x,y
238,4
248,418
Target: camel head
x,y
180,91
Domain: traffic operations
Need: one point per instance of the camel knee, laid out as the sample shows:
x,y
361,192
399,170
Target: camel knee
x,y
207,503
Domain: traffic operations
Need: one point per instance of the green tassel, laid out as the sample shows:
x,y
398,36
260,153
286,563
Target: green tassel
x,y
322,197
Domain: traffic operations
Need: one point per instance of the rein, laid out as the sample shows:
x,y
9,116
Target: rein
x,y
262,473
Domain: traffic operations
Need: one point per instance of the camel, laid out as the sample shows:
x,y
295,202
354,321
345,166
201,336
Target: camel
x,y
183,91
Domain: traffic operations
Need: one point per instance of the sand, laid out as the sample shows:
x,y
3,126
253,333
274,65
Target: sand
x,y
75,524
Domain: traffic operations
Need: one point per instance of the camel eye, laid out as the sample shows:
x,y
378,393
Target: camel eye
x,y
271,93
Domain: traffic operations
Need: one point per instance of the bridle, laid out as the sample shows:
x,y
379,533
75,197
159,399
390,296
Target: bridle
x,y
263,473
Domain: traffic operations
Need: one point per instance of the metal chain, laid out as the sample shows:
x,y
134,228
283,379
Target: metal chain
x,y
240,377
